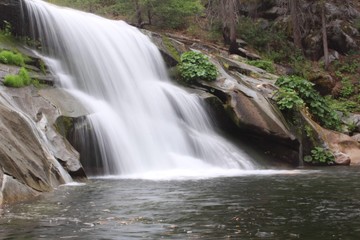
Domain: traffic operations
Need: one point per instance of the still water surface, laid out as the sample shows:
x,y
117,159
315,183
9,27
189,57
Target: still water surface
x,y
311,204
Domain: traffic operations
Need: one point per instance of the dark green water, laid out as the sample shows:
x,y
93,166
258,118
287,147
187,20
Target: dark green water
x,y
318,205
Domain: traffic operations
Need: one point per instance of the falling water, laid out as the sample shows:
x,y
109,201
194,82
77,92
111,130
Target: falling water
x,y
142,122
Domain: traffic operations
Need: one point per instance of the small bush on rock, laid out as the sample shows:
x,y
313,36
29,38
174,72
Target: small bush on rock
x,y
17,81
320,156
8,57
263,64
196,66
317,105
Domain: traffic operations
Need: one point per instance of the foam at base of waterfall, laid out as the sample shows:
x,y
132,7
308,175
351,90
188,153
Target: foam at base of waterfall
x,y
191,174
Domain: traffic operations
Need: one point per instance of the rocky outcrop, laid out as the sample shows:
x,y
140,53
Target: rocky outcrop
x,y
34,156
345,149
241,101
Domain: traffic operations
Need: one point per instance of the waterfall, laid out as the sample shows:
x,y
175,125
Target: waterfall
x,y
141,121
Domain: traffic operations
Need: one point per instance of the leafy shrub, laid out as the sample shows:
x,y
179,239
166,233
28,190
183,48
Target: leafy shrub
x,y
9,57
288,99
347,88
263,64
321,156
20,80
196,66
343,105
317,105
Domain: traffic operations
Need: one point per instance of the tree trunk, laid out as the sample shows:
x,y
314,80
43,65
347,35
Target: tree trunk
x,y
228,11
138,13
324,35
294,6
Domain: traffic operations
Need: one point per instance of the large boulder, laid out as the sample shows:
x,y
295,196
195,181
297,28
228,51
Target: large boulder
x,y
345,149
245,92
34,156
45,106
22,153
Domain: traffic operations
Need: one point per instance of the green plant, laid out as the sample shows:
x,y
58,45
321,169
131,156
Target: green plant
x,y
266,65
196,66
9,57
7,29
288,99
351,127
347,88
317,105
20,80
320,155
343,105
302,66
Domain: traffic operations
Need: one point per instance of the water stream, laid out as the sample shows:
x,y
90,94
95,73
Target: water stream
x,y
143,123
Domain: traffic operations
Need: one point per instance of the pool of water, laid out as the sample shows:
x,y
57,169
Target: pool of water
x,y
311,204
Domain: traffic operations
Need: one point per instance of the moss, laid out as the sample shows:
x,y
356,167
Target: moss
x,y
64,125
12,58
171,49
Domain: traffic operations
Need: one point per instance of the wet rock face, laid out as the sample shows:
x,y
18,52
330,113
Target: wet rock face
x,y
240,100
45,106
34,157
22,155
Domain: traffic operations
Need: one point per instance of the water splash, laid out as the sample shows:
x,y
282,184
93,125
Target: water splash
x,y
142,122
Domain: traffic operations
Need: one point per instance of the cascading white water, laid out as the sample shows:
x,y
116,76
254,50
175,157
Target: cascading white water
x,y
142,122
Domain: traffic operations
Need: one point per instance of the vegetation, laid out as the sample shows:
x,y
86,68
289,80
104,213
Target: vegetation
x,y
288,99
343,105
12,58
317,105
320,156
6,31
20,80
196,66
170,14
263,64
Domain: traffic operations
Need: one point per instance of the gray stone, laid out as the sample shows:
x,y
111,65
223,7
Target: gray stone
x,y
247,54
45,106
356,137
353,119
15,191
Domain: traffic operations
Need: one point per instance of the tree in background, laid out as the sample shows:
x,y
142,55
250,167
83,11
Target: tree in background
x,y
324,34
167,14
224,14
229,20
294,8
